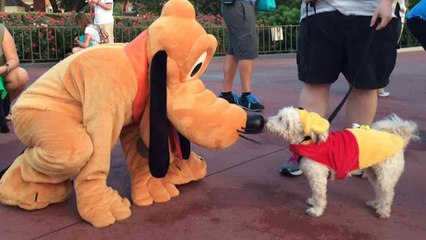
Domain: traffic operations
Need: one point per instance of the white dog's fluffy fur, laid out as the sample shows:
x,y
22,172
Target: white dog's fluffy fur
x,y
383,176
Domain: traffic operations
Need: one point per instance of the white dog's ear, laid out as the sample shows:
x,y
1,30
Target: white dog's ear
x,y
313,124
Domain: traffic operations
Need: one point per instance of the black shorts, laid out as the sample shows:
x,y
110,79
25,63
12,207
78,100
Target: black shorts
x,y
331,43
417,27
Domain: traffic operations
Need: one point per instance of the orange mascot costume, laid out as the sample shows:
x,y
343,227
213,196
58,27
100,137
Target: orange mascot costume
x,y
147,94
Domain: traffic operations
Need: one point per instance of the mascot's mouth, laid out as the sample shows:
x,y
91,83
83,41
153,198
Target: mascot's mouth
x,y
180,145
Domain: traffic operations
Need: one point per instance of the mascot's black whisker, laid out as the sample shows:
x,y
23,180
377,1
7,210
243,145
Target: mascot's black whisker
x,y
248,139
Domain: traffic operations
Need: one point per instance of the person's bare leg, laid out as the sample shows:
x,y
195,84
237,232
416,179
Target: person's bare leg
x,y
361,106
76,49
246,69
229,70
16,81
315,97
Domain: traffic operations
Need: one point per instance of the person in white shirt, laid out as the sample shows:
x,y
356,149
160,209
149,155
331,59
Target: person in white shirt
x,y
356,38
104,16
91,34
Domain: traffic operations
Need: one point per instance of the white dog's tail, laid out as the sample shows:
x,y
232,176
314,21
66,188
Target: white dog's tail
x,y
394,124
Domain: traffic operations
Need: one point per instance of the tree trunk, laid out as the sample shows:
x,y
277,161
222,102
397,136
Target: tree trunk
x,y
125,3
2,2
39,6
54,5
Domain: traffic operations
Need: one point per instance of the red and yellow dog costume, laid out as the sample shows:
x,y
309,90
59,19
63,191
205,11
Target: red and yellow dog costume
x,y
347,150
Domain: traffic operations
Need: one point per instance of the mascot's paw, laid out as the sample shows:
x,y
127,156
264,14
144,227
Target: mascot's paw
x,y
102,207
146,189
185,171
27,195
152,190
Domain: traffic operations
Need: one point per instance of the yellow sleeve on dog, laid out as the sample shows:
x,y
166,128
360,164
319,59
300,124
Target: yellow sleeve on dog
x,y
375,146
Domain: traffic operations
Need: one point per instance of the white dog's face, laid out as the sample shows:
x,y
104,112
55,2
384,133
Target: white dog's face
x,y
286,124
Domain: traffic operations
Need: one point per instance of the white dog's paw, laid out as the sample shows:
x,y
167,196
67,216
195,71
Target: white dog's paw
x,y
310,202
383,213
314,212
371,204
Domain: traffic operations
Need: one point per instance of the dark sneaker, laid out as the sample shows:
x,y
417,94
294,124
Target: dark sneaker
x,y
231,98
291,167
250,103
358,173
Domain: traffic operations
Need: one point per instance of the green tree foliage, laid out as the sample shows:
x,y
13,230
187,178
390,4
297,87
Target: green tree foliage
x,y
283,15
72,5
148,6
154,6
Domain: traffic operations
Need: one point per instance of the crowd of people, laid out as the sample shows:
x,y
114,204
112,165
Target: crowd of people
x,y
103,21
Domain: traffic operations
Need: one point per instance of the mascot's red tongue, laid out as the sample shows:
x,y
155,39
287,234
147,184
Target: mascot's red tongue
x,y
174,141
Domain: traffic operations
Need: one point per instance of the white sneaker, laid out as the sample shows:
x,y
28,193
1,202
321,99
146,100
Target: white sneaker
x,y
383,94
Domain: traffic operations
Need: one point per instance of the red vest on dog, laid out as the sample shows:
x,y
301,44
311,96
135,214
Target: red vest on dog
x,y
339,152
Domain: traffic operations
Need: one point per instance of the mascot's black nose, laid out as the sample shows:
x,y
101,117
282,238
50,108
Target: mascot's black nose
x,y
254,124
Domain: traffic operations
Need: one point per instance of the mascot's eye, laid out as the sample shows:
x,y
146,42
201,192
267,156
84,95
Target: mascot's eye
x,y
196,69
198,64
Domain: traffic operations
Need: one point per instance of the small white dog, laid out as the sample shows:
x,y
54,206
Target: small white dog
x,y
379,151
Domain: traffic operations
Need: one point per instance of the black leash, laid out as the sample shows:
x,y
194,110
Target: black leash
x,y
312,4
342,102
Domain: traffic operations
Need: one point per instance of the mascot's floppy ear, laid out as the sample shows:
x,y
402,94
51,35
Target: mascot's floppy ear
x,y
158,156
158,134
312,122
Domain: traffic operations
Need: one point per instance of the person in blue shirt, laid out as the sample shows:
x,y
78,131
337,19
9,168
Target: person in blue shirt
x,y
416,22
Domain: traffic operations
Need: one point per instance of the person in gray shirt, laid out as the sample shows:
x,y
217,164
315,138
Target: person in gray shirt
x,y
243,48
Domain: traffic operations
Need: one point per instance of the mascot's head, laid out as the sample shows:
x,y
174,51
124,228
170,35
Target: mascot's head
x,y
180,110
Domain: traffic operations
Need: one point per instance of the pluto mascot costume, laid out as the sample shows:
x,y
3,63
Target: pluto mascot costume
x,y
148,94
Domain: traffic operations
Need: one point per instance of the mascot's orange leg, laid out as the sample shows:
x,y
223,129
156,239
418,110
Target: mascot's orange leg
x,y
56,150
147,189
